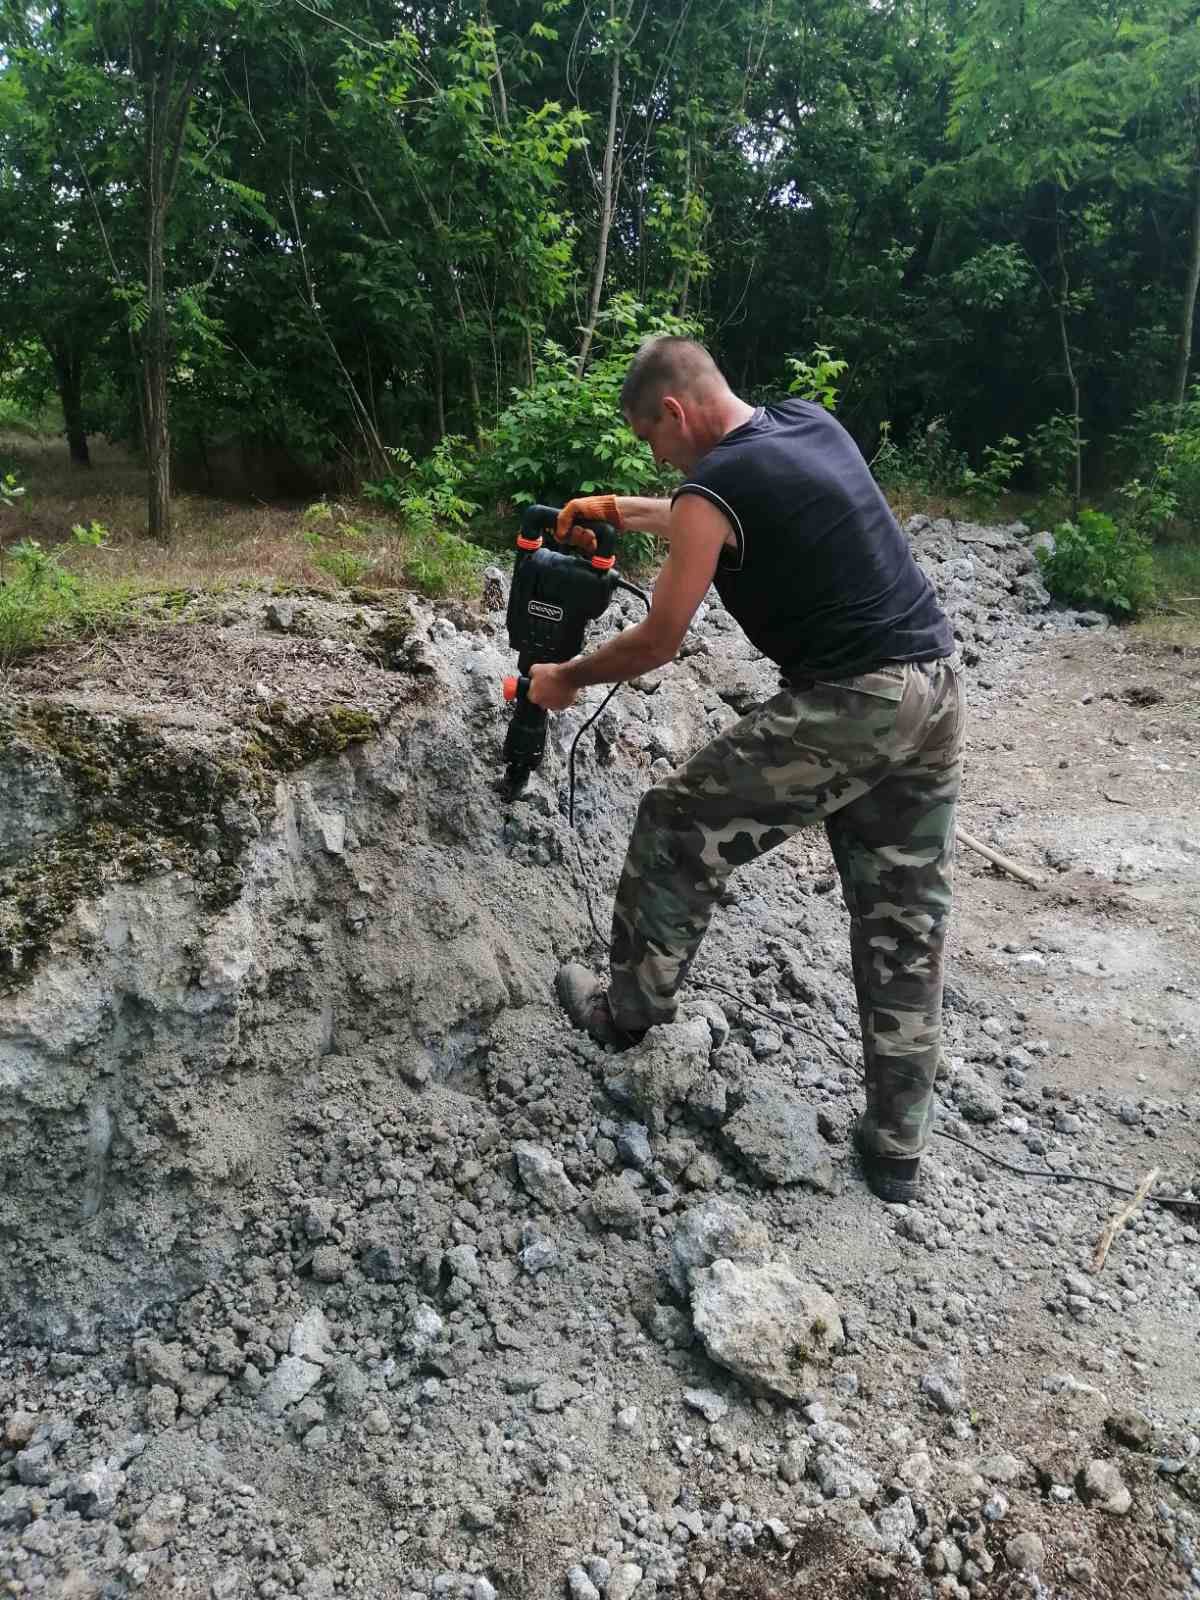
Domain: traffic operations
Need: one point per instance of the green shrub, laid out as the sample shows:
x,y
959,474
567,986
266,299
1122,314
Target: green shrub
x,y
926,463
564,435
427,491
347,566
38,596
1097,561
817,377
1163,447
438,563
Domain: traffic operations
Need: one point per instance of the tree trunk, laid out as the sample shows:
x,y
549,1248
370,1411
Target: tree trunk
x,y
607,202
1191,285
1064,285
68,377
154,374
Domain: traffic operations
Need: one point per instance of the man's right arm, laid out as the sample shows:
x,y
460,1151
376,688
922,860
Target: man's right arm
x,y
640,513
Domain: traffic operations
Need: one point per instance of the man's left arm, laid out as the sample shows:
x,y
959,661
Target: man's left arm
x,y
697,532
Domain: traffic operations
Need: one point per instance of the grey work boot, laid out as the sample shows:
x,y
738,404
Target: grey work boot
x,y
585,1000
895,1179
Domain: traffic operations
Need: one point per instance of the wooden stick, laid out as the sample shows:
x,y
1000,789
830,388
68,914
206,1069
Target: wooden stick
x,y
1115,1224
997,860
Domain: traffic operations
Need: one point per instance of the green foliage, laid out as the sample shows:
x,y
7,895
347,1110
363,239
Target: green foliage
x,y
1051,449
817,377
926,463
1097,561
11,489
92,535
438,563
1163,445
347,566
564,435
38,596
1000,463
428,491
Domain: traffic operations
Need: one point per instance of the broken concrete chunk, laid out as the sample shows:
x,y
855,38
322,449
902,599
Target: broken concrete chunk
x,y
765,1324
660,1072
543,1176
710,1231
775,1135
288,1384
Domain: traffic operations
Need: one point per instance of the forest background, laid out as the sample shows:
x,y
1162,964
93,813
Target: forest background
x,y
395,258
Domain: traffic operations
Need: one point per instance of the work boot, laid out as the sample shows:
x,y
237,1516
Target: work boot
x,y
895,1179
585,1000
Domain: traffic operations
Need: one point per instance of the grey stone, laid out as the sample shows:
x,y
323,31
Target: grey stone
x,y
711,1231
661,1072
711,1406
15,1508
34,1465
288,1384
95,1493
1131,1429
310,1337
1099,1484
555,1394
543,1177
580,1586
633,1146
616,1205
944,1386
775,1134
624,1581
765,1324
976,1100
1025,1552
155,1362
383,1263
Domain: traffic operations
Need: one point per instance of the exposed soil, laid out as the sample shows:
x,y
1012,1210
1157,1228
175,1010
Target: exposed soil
x,y
335,1263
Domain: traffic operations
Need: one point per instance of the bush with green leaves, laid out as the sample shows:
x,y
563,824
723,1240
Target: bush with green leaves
x,y
38,598
1163,446
1097,561
817,376
927,462
427,491
565,436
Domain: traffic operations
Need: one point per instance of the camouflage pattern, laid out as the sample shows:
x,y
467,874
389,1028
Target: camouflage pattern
x,y
876,758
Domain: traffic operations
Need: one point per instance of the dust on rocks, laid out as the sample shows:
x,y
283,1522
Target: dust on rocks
x,y
334,1263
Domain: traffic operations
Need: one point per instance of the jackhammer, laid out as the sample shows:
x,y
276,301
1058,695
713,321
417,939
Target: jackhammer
x,y
554,595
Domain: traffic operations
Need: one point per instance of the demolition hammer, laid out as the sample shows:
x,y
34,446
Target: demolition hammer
x,y
554,595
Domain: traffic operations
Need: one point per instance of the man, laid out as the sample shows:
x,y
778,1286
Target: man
x,y
779,510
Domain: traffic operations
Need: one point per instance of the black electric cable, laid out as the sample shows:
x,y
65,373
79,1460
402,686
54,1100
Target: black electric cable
x,y
787,1022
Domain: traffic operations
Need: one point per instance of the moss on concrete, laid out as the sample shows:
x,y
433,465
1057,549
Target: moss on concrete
x,y
149,804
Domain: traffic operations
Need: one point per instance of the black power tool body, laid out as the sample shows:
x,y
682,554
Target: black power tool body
x,y
554,595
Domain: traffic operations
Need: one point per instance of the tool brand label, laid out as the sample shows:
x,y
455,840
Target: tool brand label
x,y
539,608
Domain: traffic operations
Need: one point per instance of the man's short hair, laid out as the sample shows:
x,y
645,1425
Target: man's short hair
x,y
667,365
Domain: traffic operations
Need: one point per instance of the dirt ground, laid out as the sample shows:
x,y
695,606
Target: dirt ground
x,y
407,1043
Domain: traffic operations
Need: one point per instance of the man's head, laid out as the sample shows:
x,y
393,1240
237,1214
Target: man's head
x,y
675,397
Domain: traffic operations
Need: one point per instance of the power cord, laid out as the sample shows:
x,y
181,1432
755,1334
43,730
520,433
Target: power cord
x,y
1180,1201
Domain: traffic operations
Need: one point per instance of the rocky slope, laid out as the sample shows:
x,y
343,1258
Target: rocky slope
x,y
334,1263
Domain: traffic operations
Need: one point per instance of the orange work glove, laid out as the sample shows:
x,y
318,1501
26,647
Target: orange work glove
x,y
596,508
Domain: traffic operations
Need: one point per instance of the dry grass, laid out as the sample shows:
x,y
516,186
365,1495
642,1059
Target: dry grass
x,y
216,544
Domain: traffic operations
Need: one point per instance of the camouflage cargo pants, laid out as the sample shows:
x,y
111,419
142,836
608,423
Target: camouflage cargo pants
x,y
877,759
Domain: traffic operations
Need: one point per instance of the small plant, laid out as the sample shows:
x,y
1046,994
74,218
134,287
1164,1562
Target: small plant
x,y
926,463
817,377
1000,464
428,491
1051,449
11,489
1163,445
92,535
1097,561
439,563
347,566
37,597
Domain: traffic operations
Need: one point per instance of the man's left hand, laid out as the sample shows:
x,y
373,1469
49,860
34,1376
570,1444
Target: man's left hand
x,y
549,688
